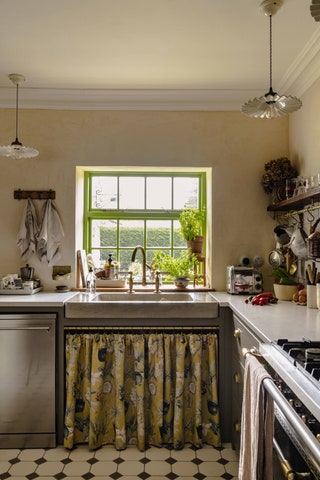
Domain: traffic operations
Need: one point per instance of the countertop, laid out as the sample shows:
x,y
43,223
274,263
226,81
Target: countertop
x,y
274,321
40,299
269,322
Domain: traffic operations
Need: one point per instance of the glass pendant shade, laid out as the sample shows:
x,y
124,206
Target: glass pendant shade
x,y
16,149
271,105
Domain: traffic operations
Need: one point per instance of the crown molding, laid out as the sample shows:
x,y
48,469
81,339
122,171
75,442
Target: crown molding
x,y
305,69
126,99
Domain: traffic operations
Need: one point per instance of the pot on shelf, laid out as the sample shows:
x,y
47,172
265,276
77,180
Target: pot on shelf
x,y
196,245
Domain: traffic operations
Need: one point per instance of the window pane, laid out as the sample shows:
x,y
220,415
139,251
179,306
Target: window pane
x,y
125,259
158,233
104,193
159,193
104,233
131,233
178,240
186,191
131,193
100,257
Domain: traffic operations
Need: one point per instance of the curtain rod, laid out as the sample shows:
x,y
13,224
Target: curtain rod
x,y
142,329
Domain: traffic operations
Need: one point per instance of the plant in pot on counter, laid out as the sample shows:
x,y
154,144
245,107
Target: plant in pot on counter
x,y
179,269
191,220
286,286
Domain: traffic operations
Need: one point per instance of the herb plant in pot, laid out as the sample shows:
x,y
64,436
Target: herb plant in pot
x,y
285,285
179,269
191,221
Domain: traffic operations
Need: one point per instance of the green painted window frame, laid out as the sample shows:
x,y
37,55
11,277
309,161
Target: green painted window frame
x,y
91,214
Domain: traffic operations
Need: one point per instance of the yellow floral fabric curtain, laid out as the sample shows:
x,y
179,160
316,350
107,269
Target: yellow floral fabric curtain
x,y
143,389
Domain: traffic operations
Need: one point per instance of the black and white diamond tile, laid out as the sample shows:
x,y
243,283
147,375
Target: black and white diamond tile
x,y
155,464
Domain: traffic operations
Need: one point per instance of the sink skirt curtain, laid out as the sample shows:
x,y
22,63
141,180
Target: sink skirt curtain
x,y
155,388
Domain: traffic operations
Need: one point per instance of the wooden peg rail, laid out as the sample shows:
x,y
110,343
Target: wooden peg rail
x,y
34,194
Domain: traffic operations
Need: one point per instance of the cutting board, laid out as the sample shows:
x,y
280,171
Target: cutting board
x,y
82,266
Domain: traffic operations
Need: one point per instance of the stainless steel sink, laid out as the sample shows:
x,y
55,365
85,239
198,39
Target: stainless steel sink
x,y
152,297
142,305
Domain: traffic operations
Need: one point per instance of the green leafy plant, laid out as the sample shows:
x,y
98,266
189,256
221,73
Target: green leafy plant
x,y
282,277
191,220
178,267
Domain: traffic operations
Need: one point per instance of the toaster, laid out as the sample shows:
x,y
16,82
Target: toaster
x,y
243,280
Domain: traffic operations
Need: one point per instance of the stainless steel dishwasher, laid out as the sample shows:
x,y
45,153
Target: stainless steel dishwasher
x,y
27,381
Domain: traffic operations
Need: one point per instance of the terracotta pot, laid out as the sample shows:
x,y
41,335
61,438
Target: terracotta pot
x,y
196,245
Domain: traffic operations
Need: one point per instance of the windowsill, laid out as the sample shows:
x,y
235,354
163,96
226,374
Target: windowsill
x,y
151,288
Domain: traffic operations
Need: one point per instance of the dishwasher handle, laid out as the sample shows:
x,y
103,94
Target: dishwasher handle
x,y
47,328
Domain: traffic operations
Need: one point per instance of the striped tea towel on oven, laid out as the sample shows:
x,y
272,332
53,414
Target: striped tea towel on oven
x,y
257,422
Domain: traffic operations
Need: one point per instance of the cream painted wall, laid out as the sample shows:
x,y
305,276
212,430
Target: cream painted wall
x,y
304,133
234,146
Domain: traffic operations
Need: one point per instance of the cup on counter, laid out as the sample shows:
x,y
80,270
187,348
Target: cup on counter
x,y
27,285
312,296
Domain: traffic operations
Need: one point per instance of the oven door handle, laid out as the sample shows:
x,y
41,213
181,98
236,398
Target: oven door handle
x,y
287,469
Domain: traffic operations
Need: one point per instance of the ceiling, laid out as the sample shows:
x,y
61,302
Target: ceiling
x,y
209,54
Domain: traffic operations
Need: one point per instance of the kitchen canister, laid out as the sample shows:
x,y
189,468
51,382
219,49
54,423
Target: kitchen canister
x,y
312,296
318,295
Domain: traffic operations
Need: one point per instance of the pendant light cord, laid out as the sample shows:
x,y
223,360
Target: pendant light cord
x,y
270,17
17,103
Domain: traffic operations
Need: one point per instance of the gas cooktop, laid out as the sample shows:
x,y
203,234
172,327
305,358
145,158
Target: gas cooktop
x,y
305,355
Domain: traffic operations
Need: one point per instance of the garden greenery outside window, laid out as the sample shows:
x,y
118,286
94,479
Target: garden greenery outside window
x,y
126,209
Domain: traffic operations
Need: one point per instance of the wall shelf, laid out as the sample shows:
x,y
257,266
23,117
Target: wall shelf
x,y
298,202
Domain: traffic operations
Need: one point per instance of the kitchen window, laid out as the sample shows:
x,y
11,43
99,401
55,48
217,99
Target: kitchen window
x,y
124,209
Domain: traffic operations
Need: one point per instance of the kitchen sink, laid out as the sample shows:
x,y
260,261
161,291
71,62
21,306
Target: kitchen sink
x,y
142,305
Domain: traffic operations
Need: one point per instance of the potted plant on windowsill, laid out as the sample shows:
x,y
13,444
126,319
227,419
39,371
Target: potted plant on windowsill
x,y
285,285
191,220
179,269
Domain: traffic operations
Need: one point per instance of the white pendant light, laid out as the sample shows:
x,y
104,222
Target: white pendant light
x,y
16,149
315,10
271,105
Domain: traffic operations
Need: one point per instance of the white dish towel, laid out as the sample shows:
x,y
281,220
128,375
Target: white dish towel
x,y
257,422
50,235
29,229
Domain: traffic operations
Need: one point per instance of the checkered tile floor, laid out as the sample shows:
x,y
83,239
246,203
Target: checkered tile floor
x,y
130,464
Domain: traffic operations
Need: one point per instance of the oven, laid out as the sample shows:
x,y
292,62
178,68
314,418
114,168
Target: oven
x,y
294,387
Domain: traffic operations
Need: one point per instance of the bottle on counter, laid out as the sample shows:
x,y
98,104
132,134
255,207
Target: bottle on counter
x,y
110,268
91,282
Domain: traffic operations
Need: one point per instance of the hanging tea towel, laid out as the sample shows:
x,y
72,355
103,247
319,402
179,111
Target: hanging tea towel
x,y
50,235
29,229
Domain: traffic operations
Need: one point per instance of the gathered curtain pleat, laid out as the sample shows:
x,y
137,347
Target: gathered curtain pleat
x,y
143,389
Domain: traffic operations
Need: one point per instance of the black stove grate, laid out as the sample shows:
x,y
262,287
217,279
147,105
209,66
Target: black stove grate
x,y
305,355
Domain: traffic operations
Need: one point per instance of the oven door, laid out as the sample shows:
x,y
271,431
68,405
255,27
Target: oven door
x,y
296,452
288,462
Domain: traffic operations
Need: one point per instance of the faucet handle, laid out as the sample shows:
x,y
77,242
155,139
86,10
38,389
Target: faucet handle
x,y
130,281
